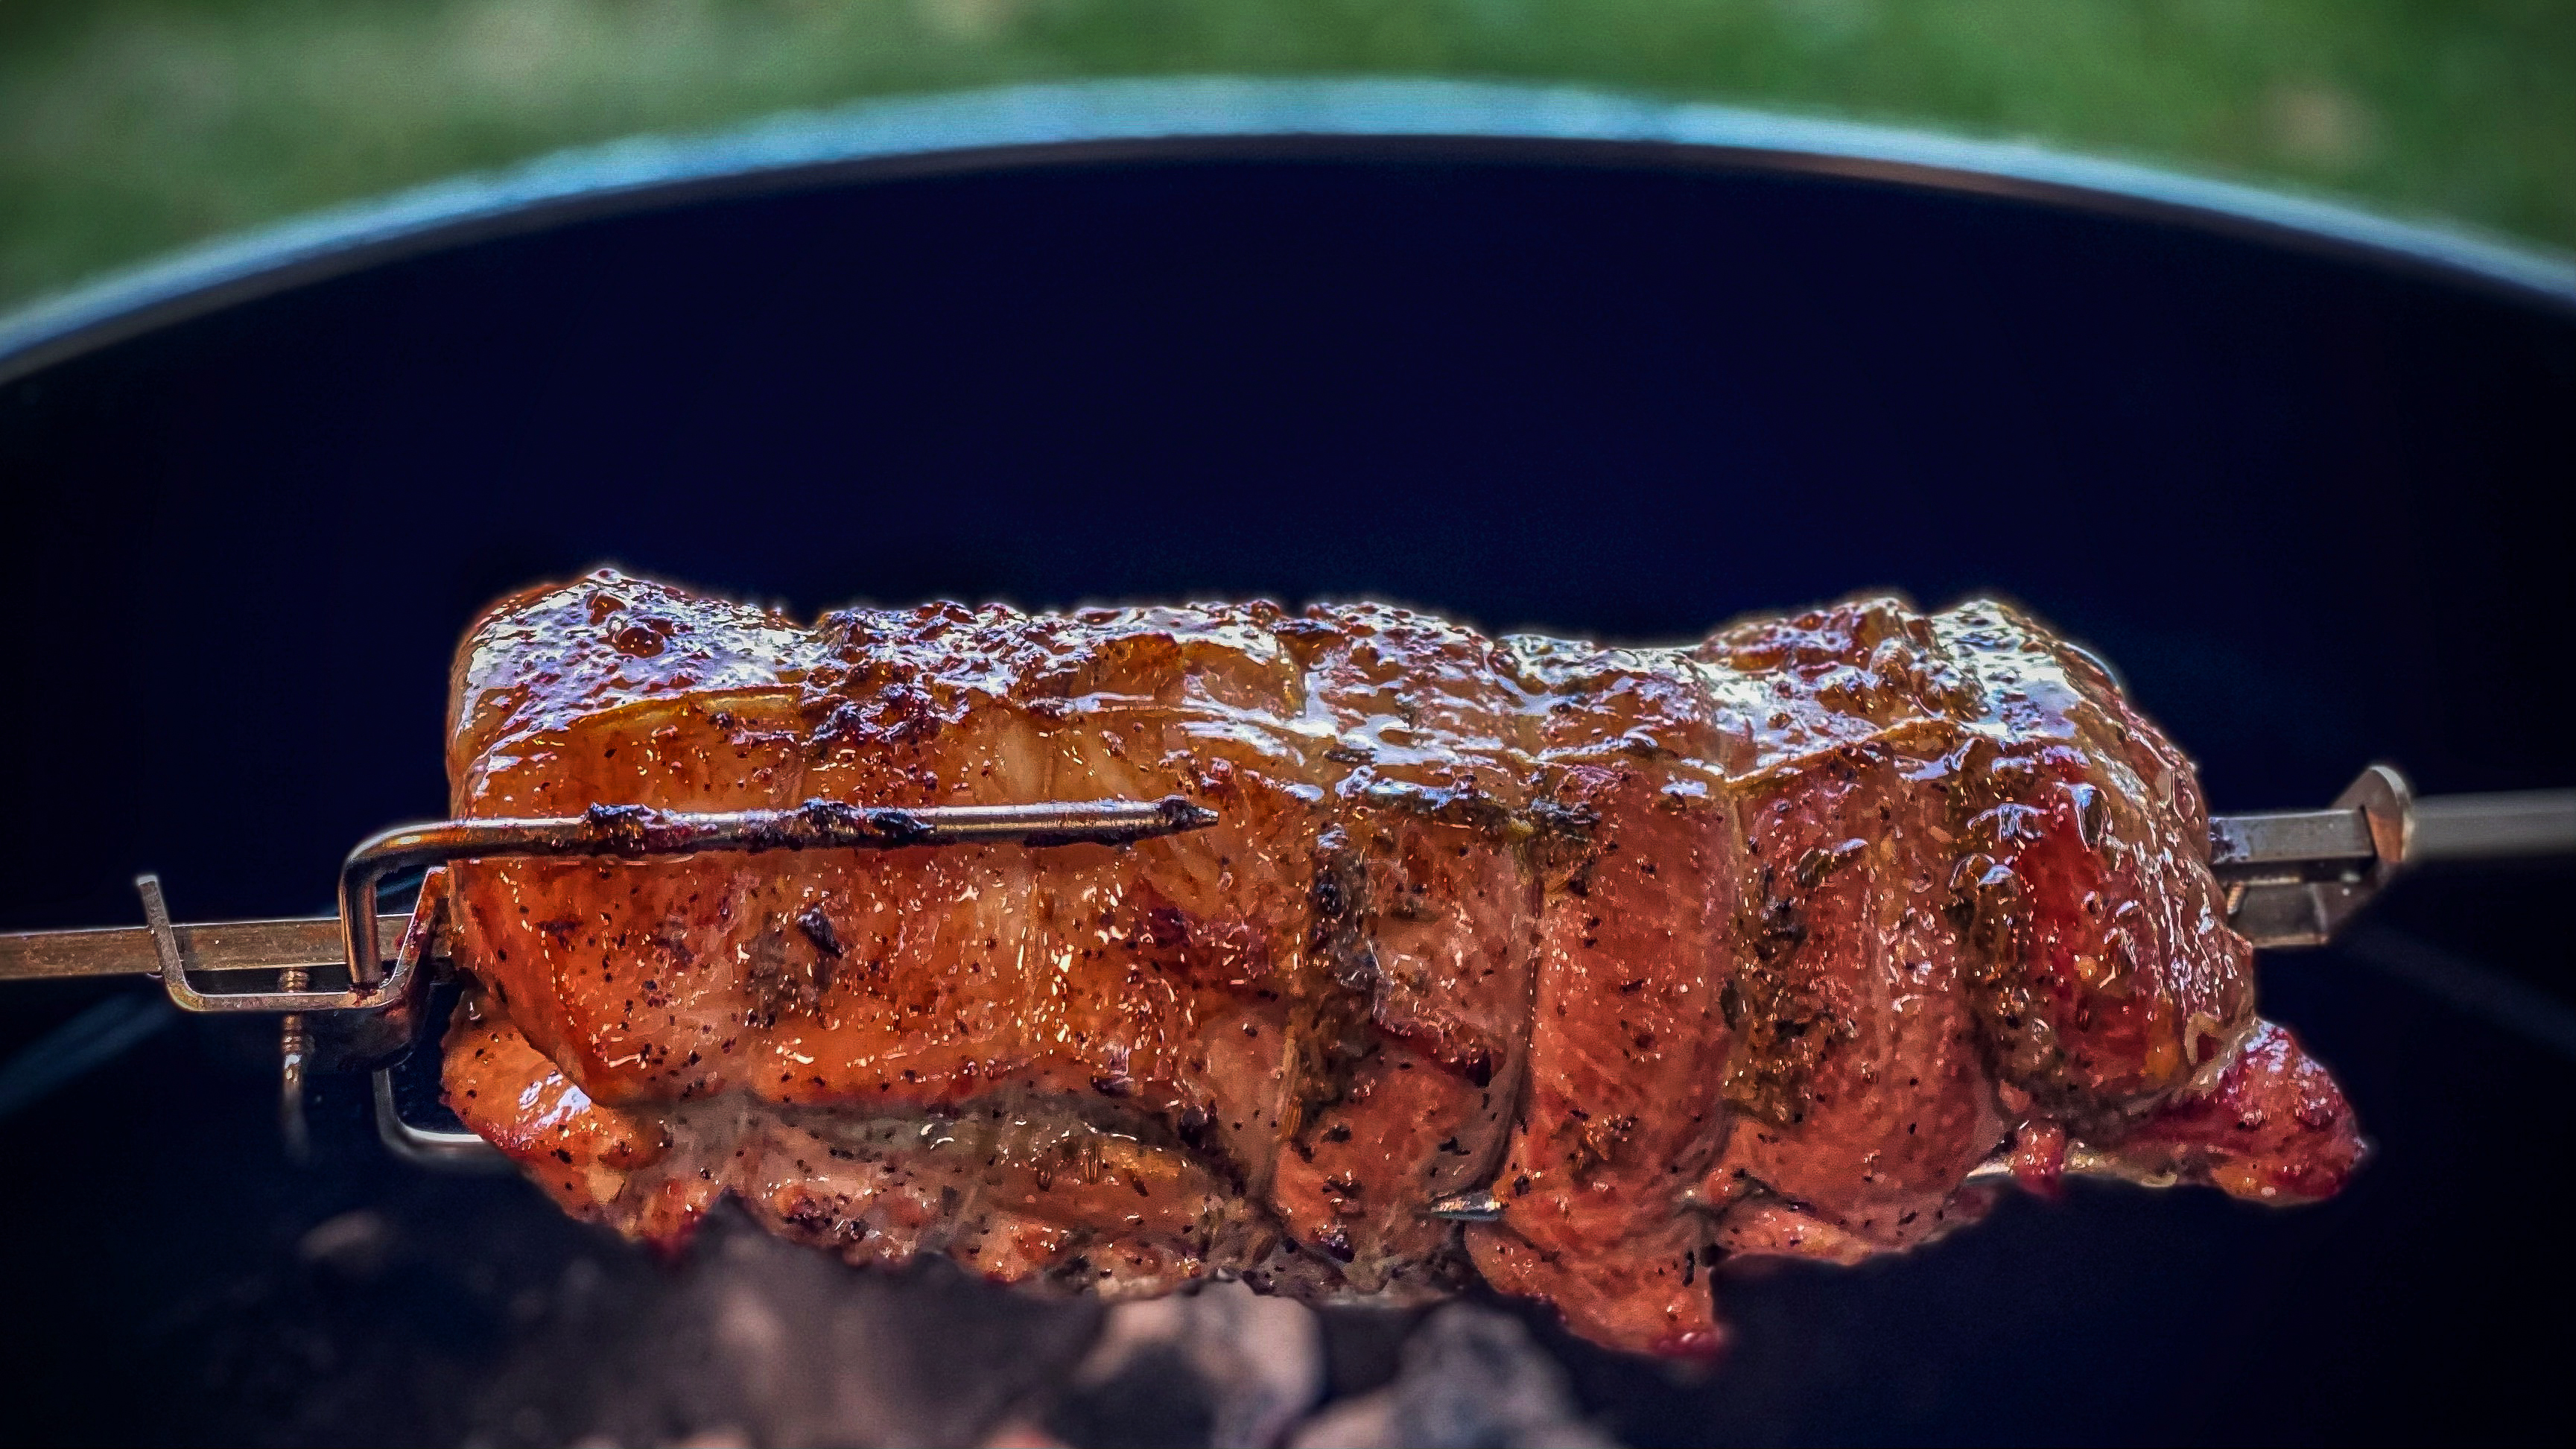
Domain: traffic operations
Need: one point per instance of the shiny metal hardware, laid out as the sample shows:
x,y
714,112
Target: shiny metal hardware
x,y
384,968
293,961
2500,826
186,956
1478,1206
1481,1206
428,1147
294,1057
213,948
636,832
2294,877
2080,1161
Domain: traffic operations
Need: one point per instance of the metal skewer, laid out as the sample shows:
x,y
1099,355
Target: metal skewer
x,y
618,832
214,946
2292,877
2273,863
1479,1205
381,1001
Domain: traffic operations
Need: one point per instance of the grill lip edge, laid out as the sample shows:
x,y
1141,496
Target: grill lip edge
x,y
1232,118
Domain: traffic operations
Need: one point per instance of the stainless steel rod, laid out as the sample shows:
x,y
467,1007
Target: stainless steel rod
x,y
2282,836
213,946
616,832
2485,827
635,832
2446,827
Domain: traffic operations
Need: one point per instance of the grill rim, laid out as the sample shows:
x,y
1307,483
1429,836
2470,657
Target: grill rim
x,y
1198,119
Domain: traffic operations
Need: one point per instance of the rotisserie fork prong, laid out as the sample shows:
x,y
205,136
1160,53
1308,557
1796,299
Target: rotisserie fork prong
x,y
2269,859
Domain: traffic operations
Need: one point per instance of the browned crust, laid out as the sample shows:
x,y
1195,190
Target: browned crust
x,y
1752,947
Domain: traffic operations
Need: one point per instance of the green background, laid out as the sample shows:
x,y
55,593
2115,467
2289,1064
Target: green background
x,y
129,127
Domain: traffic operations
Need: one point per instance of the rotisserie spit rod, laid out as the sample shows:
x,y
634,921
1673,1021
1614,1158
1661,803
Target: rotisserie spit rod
x,y
293,951
2294,876
324,942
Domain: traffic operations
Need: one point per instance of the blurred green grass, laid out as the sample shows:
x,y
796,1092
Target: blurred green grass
x,y
128,127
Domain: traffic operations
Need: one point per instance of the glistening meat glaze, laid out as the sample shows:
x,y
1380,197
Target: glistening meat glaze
x,y
1752,947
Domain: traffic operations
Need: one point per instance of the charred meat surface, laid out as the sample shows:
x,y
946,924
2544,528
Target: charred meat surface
x,y
1755,947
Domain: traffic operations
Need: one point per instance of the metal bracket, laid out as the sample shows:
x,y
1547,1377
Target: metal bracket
x,y
2294,877
372,989
460,1152
385,1000
624,832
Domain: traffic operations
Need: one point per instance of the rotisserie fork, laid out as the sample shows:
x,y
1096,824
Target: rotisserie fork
x,y
2293,879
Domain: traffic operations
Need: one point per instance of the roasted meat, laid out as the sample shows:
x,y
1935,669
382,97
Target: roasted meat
x,y
1754,947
